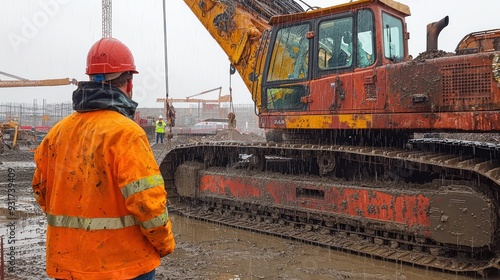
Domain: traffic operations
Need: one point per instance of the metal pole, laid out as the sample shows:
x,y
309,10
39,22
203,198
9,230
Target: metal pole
x,y
167,108
34,111
2,265
165,45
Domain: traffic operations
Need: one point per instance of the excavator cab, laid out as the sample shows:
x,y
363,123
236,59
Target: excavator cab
x,y
324,61
345,70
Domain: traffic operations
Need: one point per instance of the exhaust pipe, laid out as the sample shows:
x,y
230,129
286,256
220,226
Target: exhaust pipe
x,y
433,30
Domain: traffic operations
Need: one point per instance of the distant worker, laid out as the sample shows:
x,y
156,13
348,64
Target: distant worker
x,y
97,180
160,129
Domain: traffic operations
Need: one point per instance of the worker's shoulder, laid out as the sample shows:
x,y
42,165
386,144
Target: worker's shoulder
x,y
108,117
103,121
120,121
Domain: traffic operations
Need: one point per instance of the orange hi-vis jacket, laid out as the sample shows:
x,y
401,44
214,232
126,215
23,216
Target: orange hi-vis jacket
x,y
101,189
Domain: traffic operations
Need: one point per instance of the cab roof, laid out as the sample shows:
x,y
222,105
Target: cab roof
x,y
397,6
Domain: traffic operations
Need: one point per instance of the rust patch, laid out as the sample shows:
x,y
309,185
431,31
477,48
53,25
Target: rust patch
x,y
407,210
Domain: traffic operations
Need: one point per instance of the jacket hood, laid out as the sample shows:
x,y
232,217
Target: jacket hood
x,y
93,96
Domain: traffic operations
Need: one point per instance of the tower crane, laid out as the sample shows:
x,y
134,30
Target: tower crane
x,y
106,18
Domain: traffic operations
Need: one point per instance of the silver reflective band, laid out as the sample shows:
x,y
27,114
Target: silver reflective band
x,y
91,223
157,221
142,184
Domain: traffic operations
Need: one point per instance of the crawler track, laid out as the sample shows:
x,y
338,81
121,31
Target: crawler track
x,y
341,237
436,174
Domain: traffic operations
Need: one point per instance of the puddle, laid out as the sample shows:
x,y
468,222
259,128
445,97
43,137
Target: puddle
x,y
17,165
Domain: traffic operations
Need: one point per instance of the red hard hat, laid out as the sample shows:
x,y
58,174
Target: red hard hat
x,y
109,55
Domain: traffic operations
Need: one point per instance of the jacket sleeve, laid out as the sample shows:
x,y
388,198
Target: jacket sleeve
x,y
142,186
39,182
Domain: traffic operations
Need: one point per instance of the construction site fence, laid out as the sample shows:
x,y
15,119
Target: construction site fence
x,y
42,114
35,114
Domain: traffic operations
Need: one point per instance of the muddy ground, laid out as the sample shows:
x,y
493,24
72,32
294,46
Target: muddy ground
x,y
204,250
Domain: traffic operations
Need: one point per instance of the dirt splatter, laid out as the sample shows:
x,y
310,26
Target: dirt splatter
x,y
422,57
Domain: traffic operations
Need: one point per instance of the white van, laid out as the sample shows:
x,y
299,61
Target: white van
x,y
208,127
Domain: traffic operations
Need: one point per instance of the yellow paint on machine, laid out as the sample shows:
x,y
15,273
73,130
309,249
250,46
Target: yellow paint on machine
x,y
329,121
356,121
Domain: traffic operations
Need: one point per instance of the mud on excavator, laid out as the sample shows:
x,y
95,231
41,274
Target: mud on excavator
x,y
341,100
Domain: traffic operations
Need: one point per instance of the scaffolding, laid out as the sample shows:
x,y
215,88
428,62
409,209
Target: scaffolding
x,y
35,114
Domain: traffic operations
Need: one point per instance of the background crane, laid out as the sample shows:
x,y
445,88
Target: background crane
x,y
106,18
221,99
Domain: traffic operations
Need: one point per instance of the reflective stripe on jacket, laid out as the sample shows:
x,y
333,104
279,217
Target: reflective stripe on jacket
x,y
160,127
101,188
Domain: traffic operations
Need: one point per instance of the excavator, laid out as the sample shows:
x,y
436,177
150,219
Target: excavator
x,y
10,124
342,101
16,135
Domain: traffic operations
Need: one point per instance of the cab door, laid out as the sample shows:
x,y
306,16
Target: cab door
x,y
368,82
331,85
345,79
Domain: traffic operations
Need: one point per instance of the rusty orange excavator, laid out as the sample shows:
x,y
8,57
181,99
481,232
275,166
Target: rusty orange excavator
x,y
341,101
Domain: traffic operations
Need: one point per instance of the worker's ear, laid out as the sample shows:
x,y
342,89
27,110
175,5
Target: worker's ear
x,y
129,86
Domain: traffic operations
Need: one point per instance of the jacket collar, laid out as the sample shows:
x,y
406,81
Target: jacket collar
x,y
94,96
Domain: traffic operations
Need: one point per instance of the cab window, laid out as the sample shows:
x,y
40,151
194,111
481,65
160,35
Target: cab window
x,y
290,54
366,39
285,98
334,39
393,37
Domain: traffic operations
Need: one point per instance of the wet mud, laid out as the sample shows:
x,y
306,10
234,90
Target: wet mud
x,y
204,250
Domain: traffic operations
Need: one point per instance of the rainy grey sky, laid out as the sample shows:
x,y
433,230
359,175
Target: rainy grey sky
x,y
45,39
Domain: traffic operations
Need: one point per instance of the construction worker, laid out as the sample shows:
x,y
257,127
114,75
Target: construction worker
x,y
160,129
98,182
